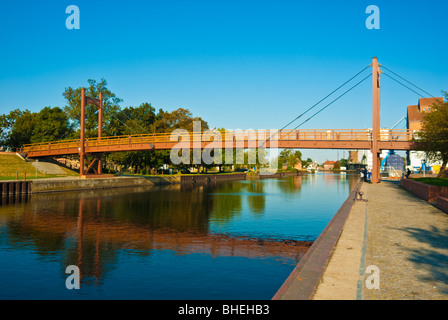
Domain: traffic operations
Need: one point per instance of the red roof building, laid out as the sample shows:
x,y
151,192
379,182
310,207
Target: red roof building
x,y
415,113
328,165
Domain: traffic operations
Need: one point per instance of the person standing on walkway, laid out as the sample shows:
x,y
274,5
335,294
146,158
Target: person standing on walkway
x,y
364,173
408,173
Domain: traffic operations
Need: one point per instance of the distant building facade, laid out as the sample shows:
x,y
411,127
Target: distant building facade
x,y
415,159
328,165
416,112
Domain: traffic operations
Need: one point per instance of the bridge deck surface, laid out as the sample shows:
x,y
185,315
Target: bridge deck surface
x,y
295,139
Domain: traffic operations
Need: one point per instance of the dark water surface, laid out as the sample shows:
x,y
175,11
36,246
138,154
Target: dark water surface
x,y
235,240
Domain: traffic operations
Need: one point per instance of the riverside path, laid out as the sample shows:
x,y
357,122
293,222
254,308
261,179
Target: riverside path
x,y
405,237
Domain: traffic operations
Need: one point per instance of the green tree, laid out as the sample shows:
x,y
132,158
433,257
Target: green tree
x,y
433,137
143,120
110,107
307,162
337,165
133,121
23,127
4,125
292,160
298,155
51,124
289,158
177,119
18,128
283,157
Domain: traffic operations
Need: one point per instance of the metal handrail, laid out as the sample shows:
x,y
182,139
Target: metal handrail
x,y
226,135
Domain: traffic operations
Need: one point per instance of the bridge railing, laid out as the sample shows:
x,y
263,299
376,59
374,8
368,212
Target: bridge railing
x,y
236,135
397,135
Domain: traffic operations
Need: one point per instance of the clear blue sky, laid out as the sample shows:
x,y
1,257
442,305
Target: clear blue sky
x,y
237,64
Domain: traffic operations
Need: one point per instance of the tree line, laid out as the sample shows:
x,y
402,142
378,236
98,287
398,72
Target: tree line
x,y
20,127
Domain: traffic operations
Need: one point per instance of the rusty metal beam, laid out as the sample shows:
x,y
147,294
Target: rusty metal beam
x,y
82,140
366,145
100,128
91,165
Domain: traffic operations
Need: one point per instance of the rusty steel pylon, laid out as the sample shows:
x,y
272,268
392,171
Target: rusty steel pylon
x,y
376,90
82,151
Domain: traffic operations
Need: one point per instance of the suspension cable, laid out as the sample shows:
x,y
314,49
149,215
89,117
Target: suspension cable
x,y
150,144
426,98
329,104
317,103
134,122
408,81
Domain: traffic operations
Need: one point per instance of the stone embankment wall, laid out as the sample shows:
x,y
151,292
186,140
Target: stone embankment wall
x,y
433,194
75,183
72,184
59,185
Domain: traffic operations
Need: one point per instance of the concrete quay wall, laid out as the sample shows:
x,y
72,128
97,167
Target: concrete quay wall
x,y
75,184
210,178
258,176
304,280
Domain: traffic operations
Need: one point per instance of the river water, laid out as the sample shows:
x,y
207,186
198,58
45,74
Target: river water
x,y
234,240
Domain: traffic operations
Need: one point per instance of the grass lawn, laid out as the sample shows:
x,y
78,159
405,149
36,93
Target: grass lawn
x,y
440,182
10,164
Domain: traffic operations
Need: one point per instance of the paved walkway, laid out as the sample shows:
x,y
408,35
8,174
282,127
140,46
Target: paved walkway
x,y
48,168
405,237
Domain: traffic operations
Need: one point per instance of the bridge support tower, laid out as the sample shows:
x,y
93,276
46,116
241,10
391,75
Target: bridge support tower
x,y
376,89
82,153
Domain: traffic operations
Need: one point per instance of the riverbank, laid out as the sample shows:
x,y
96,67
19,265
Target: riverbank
x,y
401,236
304,280
63,184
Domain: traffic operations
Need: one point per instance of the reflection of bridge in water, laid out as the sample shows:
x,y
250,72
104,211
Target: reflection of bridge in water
x,y
82,226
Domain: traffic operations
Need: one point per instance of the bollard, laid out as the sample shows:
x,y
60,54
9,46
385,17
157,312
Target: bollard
x,y
358,196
